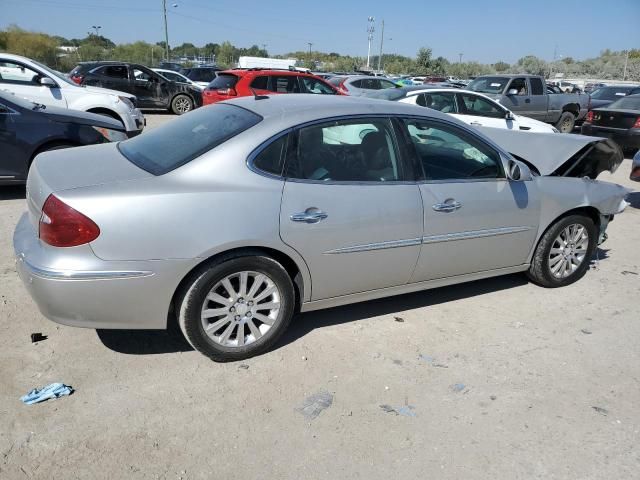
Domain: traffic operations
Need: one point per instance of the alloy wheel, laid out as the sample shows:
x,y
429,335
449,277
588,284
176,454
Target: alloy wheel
x,y
568,250
240,309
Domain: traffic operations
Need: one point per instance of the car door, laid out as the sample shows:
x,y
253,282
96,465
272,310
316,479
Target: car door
x,y
24,81
114,77
475,219
538,100
482,112
147,87
348,208
13,160
520,101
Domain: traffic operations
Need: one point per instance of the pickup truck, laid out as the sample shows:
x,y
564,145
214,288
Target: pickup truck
x,y
527,95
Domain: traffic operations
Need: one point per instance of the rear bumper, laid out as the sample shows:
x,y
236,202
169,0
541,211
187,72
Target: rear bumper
x,y
626,138
73,287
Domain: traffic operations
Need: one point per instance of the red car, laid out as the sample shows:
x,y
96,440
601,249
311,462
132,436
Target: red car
x,y
242,83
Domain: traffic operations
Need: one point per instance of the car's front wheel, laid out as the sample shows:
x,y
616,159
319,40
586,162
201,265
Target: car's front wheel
x,y
181,104
237,307
564,252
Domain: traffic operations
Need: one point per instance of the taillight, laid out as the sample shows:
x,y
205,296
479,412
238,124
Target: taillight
x,y
230,92
63,226
589,117
77,79
637,124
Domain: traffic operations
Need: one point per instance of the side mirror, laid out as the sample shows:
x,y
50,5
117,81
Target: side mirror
x,y
512,91
518,171
47,82
509,115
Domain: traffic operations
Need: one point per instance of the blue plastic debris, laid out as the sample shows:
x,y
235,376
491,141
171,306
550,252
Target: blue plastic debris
x,y
55,390
458,387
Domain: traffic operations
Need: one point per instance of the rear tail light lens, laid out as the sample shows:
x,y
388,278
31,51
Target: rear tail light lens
x,y
63,226
77,79
637,124
589,117
231,92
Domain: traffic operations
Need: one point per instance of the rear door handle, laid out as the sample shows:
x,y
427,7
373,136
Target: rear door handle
x,y
310,215
447,206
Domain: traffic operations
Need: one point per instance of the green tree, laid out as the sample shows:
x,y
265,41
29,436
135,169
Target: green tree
x,y
423,60
501,66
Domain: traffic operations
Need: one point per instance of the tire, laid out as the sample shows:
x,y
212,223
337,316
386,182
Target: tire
x,y
543,265
240,312
181,104
566,122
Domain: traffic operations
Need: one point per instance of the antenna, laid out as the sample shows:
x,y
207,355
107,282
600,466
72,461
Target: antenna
x,y
256,96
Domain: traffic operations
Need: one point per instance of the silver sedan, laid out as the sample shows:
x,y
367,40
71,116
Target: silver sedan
x,y
232,218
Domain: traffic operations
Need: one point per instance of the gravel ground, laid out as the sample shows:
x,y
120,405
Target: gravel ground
x,y
496,379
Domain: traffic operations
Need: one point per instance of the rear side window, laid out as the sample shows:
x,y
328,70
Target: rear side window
x,y
224,80
187,137
261,83
536,86
285,84
271,158
114,71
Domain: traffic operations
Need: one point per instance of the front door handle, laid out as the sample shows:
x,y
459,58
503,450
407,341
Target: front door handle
x,y
448,205
310,215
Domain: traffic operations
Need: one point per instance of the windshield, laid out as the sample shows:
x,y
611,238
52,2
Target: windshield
x,y
627,103
609,93
54,74
488,84
187,137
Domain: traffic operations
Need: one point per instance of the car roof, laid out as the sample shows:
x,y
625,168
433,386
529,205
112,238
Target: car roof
x,y
292,110
264,71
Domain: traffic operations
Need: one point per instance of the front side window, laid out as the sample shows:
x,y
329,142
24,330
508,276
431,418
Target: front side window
x,y
313,85
178,142
449,153
16,73
346,151
520,85
141,75
443,102
481,107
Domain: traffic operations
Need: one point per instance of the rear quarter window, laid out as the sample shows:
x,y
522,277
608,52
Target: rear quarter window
x,y
176,143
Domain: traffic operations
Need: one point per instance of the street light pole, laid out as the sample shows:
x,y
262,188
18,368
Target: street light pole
x,y
370,29
166,31
460,57
381,43
97,29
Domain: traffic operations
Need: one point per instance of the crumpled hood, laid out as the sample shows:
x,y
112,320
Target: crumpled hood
x,y
561,154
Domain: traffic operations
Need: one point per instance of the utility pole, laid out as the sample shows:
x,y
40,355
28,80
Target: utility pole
x,y
310,44
381,43
460,57
626,60
166,31
370,29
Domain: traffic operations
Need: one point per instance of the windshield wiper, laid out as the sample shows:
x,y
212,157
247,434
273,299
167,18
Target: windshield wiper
x,y
38,106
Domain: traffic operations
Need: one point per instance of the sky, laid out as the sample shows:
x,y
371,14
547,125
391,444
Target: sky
x,y
483,30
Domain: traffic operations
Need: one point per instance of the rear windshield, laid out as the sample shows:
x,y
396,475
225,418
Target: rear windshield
x,y
176,143
627,103
610,93
488,84
224,80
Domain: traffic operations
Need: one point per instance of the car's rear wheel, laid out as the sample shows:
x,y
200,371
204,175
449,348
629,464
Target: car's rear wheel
x,y
566,122
181,104
236,308
564,251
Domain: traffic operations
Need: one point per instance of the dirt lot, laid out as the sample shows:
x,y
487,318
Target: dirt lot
x,y
492,379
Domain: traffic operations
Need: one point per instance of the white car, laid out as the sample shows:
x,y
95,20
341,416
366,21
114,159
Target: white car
x,y
38,83
473,108
177,77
